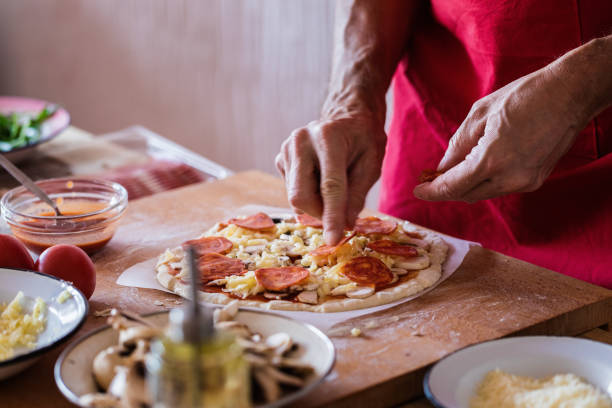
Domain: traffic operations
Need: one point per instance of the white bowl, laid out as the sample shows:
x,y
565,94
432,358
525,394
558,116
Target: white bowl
x,y
73,367
452,381
63,319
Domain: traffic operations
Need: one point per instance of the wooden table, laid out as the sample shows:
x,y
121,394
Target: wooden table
x,y
489,296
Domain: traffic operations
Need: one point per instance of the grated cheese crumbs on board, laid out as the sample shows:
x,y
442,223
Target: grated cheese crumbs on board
x,y
64,296
355,332
502,390
18,328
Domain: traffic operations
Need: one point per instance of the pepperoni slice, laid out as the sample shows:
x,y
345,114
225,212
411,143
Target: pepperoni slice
x,y
386,246
374,225
280,278
255,222
214,266
367,271
207,245
326,250
309,221
429,175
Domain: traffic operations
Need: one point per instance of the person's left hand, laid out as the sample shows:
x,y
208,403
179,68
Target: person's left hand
x,y
509,142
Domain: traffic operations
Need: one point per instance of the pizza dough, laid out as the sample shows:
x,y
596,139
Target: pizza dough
x,y
287,266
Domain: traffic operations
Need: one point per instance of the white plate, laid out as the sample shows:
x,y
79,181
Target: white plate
x,y
73,367
49,128
63,319
452,381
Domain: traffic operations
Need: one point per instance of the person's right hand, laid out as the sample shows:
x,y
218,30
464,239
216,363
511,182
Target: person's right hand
x,y
330,165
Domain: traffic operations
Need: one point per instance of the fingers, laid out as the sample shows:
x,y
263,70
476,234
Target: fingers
x,y
483,191
462,163
303,187
321,161
465,138
333,153
502,183
456,182
298,164
362,175
280,165
333,192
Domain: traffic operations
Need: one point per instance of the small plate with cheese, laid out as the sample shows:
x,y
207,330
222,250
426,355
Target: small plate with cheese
x,y
524,372
37,313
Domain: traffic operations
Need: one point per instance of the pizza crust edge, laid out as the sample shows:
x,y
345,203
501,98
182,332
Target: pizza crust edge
x,y
426,278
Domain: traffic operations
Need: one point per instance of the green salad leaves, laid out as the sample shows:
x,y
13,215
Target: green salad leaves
x,y
22,129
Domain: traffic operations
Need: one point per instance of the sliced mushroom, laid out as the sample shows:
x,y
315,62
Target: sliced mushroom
x,y
283,378
417,242
117,321
269,387
255,360
343,289
294,364
236,328
360,292
421,243
417,262
228,312
250,346
311,286
99,401
106,361
309,296
399,271
130,335
142,348
136,394
280,342
274,295
118,384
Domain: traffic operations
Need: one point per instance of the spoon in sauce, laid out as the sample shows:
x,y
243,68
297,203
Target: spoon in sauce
x,y
27,183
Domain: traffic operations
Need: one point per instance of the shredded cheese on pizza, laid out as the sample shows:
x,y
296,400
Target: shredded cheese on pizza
x,y
289,244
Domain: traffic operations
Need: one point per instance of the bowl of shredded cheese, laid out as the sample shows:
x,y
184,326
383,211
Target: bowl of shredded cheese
x,y
517,372
37,313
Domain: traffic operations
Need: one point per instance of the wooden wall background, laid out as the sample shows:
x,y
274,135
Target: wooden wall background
x,y
227,78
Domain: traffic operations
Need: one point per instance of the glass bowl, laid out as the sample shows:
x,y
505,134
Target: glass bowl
x,y
90,209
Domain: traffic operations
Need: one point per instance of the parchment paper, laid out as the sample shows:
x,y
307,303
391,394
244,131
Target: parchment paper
x,y
142,275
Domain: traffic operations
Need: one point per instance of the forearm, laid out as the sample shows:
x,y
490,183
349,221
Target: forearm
x,y
370,38
586,74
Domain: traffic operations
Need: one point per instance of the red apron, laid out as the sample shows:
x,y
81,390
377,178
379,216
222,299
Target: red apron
x,y
462,50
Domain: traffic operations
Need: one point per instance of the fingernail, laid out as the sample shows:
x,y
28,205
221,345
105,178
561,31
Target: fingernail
x,y
442,164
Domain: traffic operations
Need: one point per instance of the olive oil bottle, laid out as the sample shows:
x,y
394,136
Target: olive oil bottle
x,y
195,366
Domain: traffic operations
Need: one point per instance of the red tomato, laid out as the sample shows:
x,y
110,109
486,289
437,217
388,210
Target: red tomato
x,y
70,263
13,254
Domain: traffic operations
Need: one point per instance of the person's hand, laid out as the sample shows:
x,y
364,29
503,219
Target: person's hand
x,y
509,142
330,165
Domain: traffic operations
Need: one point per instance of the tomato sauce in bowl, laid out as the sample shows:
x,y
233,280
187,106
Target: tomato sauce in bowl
x,y
91,210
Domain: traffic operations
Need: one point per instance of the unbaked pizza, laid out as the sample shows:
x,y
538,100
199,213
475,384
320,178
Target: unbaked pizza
x,y
284,263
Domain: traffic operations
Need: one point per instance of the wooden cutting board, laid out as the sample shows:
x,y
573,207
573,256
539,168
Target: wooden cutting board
x,y
489,296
